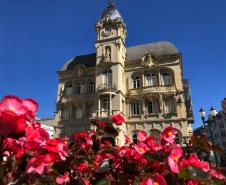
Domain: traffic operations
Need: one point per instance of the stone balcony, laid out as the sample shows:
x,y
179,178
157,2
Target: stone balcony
x,y
106,89
152,89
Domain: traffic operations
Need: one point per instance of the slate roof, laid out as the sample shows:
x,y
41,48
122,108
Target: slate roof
x,y
133,53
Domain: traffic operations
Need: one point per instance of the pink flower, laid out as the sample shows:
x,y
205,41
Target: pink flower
x,y
63,179
147,182
141,148
193,182
173,158
157,180
31,105
38,163
118,119
141,135
168,134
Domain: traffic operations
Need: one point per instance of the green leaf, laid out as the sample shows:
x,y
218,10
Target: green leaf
x,y
196,173
103,182
218,181
184,174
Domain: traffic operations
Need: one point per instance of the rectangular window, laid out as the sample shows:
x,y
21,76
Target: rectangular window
x,y
151,79
91,88
167,78
222,133
135,106
152,107
65,114
170,106
224,144
80,88
136,82
105,104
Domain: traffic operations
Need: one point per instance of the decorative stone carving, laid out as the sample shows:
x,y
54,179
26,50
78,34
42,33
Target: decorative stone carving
x,y
148,61
107,53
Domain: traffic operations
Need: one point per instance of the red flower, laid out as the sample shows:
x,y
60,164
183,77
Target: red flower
x,y
57,146
141,148
83,167
151,143
103,124
141,135
16,147
157,180
63,179
168,134
195,162
118,119
173,158
38,163
216,174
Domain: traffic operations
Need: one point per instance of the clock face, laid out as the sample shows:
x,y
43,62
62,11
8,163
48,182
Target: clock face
x,y
108,29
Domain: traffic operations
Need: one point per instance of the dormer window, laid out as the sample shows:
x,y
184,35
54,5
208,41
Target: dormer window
x,y
136,82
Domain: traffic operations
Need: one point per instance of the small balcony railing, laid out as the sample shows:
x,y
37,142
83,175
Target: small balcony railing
x,y
107,87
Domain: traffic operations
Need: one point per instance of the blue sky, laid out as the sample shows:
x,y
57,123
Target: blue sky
x,y
38,37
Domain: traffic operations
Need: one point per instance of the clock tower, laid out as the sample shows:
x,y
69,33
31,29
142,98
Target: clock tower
x,y
110,61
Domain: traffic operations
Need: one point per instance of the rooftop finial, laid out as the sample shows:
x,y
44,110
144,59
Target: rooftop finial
x,y
110,3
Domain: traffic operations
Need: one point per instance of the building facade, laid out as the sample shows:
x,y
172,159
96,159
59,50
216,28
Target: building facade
x,y
144,82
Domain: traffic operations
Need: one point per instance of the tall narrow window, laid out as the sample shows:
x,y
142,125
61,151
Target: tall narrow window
x,y
152,107
151,79
135,136
105,104
78,113
135,107
170,105
69,89
80,88
167,78
65,114
107,78
91,88
136,82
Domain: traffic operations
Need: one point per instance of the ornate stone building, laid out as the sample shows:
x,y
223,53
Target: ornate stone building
x,y
144,82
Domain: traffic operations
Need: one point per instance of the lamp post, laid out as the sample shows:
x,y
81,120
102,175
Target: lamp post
x,y
209,122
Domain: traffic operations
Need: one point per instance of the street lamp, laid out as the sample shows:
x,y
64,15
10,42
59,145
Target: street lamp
x,y
209,122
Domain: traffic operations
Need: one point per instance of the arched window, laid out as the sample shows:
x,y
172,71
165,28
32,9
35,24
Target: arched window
x,y
151,79
68,90
136,83
135,136
156,135
167,78
107,78
170,105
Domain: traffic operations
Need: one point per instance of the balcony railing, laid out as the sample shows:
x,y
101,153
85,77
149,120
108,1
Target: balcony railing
x,y
107,87
152,89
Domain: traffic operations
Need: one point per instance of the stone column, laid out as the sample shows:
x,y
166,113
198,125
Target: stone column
x,y
110,106
159,78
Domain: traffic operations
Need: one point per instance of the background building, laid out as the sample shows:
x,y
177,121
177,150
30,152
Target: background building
x,y
144,82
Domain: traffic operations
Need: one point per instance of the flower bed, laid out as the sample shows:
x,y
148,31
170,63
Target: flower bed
x,y
29,157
